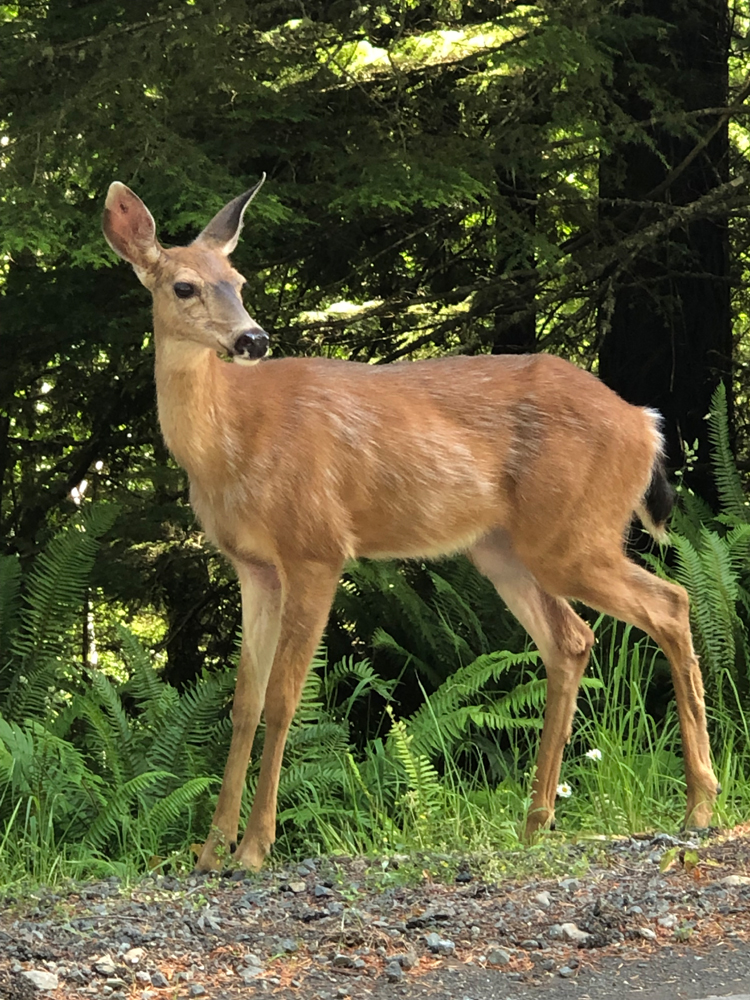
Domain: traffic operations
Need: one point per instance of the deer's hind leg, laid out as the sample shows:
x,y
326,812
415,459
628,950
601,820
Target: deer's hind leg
x,y
564,642
621,588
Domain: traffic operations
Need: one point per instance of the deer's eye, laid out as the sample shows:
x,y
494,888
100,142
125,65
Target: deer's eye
x,y
184,289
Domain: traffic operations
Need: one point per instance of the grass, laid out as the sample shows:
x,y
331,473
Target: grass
x,y
392,800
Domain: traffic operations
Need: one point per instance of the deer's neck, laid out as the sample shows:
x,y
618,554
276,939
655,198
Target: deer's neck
x,y
190,394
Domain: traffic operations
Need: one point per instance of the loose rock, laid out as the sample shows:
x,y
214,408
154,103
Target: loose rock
x,y
41,979
498,956
574,933
394,973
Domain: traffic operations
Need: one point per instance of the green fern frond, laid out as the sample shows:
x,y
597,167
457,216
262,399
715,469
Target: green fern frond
x,y
10,607
172,807
365,678
145,685
112,705
466,683
734,502
455,608
422,776
710,579
55,589
382,640
102,740
194,714
316,779
118,812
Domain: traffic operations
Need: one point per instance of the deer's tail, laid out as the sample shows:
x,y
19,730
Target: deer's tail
x,y
657,503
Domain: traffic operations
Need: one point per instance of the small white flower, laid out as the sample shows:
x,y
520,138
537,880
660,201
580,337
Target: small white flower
x,y
22,679
594,754
564,791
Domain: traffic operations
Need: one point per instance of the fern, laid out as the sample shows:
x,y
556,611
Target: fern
x,y
10,606
423,778
171,809
37,639
732,497
56,586
366,680
116,818
442,714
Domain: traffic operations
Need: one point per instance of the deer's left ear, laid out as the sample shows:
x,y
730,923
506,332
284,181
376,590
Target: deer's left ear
x,y
223,231
129,228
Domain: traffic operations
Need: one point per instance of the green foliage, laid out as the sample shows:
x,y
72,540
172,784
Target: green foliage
x,y
712,561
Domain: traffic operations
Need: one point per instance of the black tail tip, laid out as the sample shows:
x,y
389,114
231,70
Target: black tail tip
x,y
660,495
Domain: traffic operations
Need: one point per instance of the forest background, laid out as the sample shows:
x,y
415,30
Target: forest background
x,y
448,177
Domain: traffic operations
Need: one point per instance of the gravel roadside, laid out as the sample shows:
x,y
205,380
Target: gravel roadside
x,y
592,922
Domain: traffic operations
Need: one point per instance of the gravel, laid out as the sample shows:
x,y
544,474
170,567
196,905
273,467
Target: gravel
x,y
352,925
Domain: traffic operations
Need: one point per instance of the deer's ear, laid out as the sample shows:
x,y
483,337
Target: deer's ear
x,y
129,228
223,231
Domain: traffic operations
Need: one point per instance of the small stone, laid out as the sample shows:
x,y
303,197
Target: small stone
x,y
735,880
570,884
41,979
322,891
498,956
142,977
566,972
555,932
159,980
543,899
394,973
250,974
529,944
289,945
103,965
342,961
669,921
647,933
446,947
251,959
297,887
133,956
574,933
407,960
196,990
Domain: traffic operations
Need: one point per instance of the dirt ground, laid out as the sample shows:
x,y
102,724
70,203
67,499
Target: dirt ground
x,y
650,915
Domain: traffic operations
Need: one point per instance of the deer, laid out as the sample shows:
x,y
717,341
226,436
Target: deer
x,y
527,464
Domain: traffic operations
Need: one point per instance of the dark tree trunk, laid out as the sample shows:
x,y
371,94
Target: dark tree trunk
x,y
515,324
668,343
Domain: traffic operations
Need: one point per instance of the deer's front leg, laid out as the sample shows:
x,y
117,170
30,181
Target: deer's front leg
x,y
261,620
309,588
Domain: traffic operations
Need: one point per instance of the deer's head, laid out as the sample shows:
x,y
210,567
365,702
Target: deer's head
x,y
197,293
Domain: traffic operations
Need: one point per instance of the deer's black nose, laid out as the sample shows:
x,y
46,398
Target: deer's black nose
x,y
252,344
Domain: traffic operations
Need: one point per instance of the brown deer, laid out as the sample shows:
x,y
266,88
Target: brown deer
x,y
528,465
